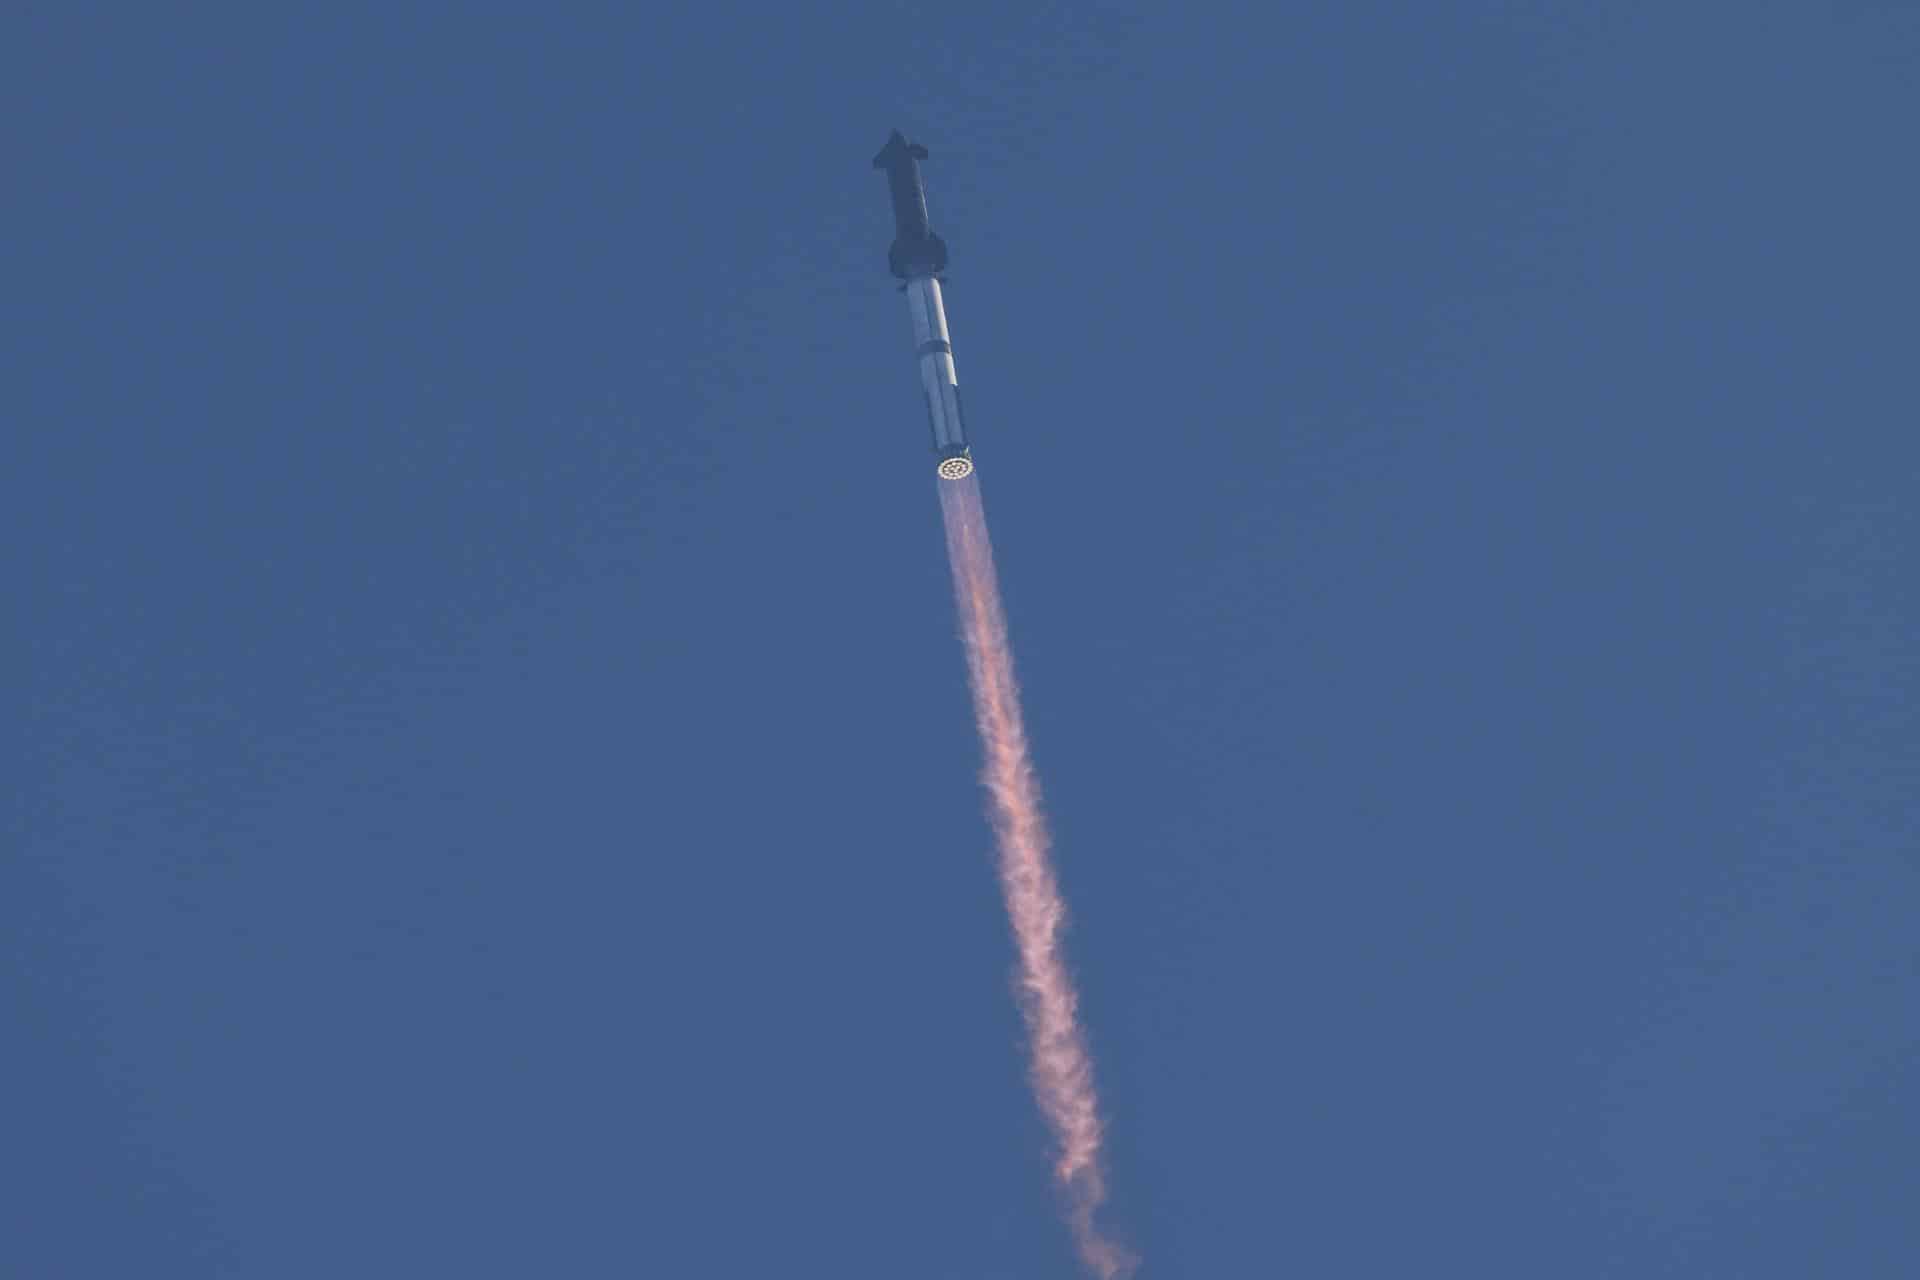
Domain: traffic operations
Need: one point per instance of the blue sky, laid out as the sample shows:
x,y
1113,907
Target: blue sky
x,y
494,782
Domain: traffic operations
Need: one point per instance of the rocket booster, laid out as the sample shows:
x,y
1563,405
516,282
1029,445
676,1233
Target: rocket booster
x,y
917,257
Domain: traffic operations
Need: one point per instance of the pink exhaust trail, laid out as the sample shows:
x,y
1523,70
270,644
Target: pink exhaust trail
x,y
1061,1069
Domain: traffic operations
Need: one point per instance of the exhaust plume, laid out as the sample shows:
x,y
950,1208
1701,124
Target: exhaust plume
x,y
1061,1069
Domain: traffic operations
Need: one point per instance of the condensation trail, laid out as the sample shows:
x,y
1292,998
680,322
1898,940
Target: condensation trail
x,y
1061,1068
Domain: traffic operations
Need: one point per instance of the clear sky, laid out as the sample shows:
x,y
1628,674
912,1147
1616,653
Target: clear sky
x,y
493,787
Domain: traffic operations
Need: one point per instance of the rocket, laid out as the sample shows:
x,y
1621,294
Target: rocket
x,y
918,257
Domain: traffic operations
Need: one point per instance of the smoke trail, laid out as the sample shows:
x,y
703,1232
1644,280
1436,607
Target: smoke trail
x,y
1061,1068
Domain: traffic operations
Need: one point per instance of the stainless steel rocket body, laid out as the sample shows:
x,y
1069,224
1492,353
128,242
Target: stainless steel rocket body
x,y
917,257
937,378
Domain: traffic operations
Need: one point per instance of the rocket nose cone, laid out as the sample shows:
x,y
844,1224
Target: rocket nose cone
x,y
897,149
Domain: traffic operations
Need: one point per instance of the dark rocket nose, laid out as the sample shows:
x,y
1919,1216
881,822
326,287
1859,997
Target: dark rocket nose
x,y
916,250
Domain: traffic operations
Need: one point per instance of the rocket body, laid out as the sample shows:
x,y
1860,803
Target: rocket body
x,y
917,257
937,378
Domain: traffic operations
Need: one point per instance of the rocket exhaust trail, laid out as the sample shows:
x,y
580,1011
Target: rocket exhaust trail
x,y
1061,1069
